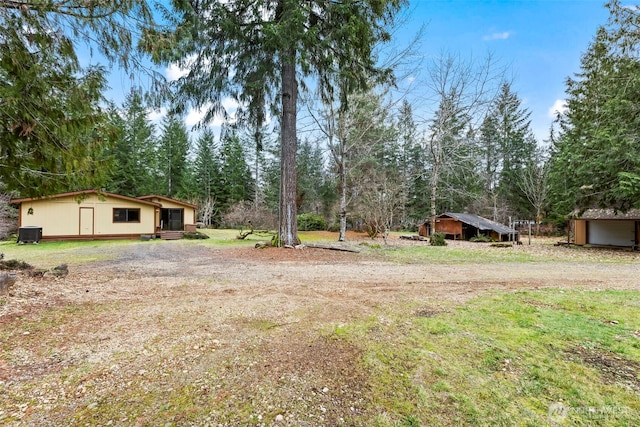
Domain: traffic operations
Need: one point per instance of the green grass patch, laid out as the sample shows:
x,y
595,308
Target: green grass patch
x,y
453,255
527,358
54,253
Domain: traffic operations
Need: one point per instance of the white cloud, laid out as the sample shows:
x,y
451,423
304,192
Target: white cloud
x,y
196,115
230,104
174,72
411,79
497,36
156,115
560,106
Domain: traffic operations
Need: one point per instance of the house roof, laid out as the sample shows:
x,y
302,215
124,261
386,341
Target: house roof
x,y
479,222
631,214
169,199
79,194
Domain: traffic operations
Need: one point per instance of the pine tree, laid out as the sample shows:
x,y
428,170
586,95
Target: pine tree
x,y
411,169
134,153
172,156
207,178
237,183
311,178
254,51
507,146
516,148
595,160
52,126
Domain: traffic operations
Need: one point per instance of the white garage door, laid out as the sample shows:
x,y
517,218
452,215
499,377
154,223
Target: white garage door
x,y
613,233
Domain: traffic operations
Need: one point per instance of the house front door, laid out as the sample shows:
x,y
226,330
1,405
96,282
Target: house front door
x,y
86,221
173,219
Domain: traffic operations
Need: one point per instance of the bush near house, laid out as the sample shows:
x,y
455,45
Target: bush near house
x,y
437,239
311,222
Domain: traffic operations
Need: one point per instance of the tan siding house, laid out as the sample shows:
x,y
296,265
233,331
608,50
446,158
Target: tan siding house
x,y
90,214
174,215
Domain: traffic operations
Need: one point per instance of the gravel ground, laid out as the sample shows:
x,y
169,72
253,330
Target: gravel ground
x,y
240,330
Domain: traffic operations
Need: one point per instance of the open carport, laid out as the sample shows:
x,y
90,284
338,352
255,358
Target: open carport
x,y
605,227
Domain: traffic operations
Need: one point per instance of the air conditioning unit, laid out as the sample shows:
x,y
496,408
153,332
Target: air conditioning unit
x,y
29,234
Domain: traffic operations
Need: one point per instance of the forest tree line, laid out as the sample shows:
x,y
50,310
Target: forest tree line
x,y
371,159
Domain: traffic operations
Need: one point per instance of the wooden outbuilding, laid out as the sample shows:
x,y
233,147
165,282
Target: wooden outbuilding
x,y
464,226
605,227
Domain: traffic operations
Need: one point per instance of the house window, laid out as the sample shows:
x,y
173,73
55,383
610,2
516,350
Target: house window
x,y
126,215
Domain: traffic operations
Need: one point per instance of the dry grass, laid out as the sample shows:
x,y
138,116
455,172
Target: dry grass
x,y
219,333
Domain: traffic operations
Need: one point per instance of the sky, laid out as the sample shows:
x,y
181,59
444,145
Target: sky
x,y
540,41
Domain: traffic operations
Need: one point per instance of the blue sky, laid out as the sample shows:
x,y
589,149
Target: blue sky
x,y
541,41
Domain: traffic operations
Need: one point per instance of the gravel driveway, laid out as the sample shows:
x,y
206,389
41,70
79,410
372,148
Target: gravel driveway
x,y
155,318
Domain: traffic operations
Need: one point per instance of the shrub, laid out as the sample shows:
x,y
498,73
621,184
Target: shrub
x,y
311,222
437,239
195,235
371,231
334,227
243,213
480,239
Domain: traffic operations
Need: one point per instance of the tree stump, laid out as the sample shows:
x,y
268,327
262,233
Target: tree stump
x,y
6,281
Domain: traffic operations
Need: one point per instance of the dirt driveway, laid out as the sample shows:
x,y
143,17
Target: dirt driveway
x,y
240,330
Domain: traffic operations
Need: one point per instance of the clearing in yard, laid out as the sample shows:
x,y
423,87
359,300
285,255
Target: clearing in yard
x,y
216,332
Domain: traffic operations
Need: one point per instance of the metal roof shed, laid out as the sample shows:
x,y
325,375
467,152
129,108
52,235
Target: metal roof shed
x,y
465,226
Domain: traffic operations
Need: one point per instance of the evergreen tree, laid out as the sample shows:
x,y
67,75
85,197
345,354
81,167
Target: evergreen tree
x,y
237,183
172,156
412,169
207,178
507,145
52,127
448,153
595,160
253,51
370,165
135,152
312,180
516,148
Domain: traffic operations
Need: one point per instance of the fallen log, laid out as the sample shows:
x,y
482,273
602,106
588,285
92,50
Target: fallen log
x,y
332,247
413,237
502,245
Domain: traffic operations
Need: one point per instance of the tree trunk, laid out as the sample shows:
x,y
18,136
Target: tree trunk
x,y
343,193
434,198
288,226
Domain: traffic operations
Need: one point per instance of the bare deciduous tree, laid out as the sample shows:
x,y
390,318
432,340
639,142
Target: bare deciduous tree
x,y
534,184
462,90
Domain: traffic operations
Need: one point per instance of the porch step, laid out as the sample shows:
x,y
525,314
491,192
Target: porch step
x,y
171,235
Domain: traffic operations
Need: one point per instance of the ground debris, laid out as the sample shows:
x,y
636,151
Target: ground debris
x,y
414,237
14,264
614,368
6,281
333,247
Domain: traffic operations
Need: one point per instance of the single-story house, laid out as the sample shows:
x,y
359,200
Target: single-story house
x,y
464,226
605,227
93,215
